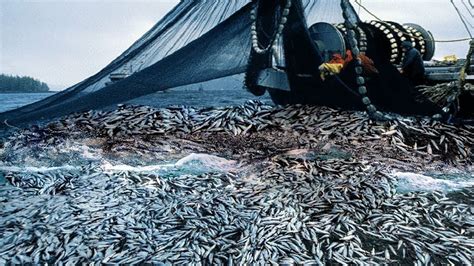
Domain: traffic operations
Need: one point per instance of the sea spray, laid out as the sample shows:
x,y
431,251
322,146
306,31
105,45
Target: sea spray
x,y
409,182
191,164
131,202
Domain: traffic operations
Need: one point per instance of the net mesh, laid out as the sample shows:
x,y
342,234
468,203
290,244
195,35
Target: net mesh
x,y
197,41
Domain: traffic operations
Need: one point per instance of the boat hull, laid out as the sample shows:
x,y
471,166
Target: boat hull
x,y
388,90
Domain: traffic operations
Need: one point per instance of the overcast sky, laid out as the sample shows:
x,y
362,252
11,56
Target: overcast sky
x,y
63,42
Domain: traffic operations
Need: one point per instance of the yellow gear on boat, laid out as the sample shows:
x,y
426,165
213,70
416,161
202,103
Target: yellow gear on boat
x,y
327,69
450,59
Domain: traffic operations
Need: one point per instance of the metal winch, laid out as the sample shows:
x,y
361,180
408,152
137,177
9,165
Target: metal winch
x,y
330,38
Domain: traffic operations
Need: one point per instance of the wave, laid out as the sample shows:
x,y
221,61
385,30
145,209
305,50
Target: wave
x,y
196,162
32,169
408,182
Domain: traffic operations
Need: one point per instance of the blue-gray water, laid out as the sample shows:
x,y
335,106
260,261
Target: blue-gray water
x,y
190,96
201,97
9,101
185,96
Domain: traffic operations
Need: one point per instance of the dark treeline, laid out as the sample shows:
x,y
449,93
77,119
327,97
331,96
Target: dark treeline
x,y
21,84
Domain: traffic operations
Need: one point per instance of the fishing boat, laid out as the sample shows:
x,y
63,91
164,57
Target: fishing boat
x,y
287,65
278,46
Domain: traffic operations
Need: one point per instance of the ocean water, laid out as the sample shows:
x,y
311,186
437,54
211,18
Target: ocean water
x,y
192,164
408,182
181,96
199,97
209,97
189,96
10,101
75,158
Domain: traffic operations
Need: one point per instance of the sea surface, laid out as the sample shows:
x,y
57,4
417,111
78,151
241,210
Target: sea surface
x,y
73,158
10,101
199,97
188,96
211,97
181,96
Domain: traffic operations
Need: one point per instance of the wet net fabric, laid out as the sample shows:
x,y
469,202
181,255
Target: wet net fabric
x,y
323,11
197,41
179,27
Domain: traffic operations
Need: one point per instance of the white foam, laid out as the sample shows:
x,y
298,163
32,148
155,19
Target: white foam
x,y
417,182
86,152
108,167
32,169
198,161
207,160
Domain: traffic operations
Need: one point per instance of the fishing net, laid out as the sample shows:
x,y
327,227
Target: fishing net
x,y
196,42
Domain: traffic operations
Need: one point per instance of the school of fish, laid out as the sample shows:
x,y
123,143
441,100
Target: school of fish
x,y
306,186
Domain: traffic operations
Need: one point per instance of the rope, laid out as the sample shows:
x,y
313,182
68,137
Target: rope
x,y
462,20
467,21
468,9
10,126
454,40
354,40
466,68
359,2
278,32
446,110
346,86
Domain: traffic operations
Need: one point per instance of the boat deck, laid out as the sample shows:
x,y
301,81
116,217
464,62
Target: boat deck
x,y
444,72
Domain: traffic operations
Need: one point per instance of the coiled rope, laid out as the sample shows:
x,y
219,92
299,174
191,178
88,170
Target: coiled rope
x,y
359,3
371,109
351,26
281,26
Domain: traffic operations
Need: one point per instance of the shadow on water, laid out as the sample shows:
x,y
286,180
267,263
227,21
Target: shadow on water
x,y
199,98
10,101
